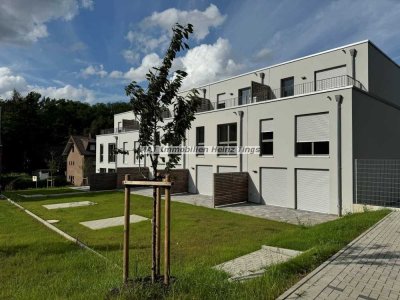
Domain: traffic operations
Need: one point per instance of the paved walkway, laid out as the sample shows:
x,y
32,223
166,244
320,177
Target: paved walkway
x,y
282,214
369,268
255,263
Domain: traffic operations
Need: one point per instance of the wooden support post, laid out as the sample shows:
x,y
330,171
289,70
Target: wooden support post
x,y
158,230
167,232
126,231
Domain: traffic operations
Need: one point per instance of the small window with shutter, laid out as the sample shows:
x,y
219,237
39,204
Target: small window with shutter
x,y
312,134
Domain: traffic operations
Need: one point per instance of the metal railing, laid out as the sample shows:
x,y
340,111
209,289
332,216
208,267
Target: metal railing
x,y
119,130
294,90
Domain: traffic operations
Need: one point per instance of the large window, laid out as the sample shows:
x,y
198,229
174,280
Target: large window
x,y
124,147
111,153
266,137
200,140
101,152
287,87
244,96
312,134
227,139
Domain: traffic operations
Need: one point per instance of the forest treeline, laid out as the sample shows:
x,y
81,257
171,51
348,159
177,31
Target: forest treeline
x,y
34,128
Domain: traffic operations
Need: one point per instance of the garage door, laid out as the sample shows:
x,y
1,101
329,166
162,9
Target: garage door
x,y
204,180
313,190
274,187
331,78
226,169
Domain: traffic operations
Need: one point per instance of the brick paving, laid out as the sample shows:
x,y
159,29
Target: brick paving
x,y
282,214
368,268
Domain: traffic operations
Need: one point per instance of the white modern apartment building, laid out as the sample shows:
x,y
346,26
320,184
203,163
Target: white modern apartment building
x,y
312,117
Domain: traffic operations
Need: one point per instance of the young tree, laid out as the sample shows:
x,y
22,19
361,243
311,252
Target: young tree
x,y
150,104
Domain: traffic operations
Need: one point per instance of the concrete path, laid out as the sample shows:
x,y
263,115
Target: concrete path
x,y
282,214
111,222
254,264
69,204
368,268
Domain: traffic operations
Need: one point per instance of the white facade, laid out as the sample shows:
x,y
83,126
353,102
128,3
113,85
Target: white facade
x,y
309,139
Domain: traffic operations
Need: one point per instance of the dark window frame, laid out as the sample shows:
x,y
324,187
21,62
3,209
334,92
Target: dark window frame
x,y
111,154
240,91
229,142
287,91
262,140
101,152
200,143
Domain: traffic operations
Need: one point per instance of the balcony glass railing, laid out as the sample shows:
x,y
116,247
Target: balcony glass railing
x,y
270,94
118,130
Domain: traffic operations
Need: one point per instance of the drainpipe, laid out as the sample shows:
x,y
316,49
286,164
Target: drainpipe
x,y
240,113
262,75
339,100
353,53
116,156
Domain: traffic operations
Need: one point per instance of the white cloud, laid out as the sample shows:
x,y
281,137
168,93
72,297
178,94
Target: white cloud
x,y
67,92
130,56
207,63
24,21
88,4
94,71
138,74
263,54
10,81
201,20
78,46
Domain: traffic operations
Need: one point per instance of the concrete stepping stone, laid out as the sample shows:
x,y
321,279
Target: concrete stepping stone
x,y
53,221
68,204
111,222
254,264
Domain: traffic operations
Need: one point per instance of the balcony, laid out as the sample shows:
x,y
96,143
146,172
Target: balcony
x,y
267,93
119,130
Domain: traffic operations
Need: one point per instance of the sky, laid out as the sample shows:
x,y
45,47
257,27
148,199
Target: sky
x,y
89,50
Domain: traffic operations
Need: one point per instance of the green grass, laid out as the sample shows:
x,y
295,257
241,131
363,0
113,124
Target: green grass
x,y
201,238
45,191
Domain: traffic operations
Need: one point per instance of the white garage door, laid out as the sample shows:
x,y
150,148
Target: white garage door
x,y
331,78
226,169
204,180
313,190
274,187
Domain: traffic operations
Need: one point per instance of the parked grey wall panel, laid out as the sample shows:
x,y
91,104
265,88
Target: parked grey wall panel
x,y
204,179
311,128
313,190
274,186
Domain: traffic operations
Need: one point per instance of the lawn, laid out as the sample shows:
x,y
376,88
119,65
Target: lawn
x,y
201,238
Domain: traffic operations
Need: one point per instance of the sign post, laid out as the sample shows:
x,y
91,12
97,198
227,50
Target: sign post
x,y
34,179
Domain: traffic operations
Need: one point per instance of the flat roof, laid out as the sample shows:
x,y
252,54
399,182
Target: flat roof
x,y
283,63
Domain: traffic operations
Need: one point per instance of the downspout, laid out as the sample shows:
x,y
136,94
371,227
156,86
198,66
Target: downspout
x,y
116,155
240,113
353,53
339,100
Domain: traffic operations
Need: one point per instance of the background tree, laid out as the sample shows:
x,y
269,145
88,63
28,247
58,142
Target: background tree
x,y
149,106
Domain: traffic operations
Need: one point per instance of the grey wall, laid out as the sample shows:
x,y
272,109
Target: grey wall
x,y
376,128
384,75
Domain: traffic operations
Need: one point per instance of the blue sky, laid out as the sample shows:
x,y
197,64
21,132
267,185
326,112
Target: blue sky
x,y
89,50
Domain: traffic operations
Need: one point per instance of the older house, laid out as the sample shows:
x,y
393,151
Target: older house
x,y
81,156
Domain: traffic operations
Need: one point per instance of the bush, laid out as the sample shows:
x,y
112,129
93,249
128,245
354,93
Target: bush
x,y
21,181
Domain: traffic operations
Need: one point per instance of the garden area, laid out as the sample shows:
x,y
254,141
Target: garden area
x,y
38,263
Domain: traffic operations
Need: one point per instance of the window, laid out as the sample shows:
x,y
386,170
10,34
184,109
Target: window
x,y
119,126
103,170
287,87
220,103
111,153
312,134
200,141
92,147
266,137
124,147
110,170
227,139
101,152
244,96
